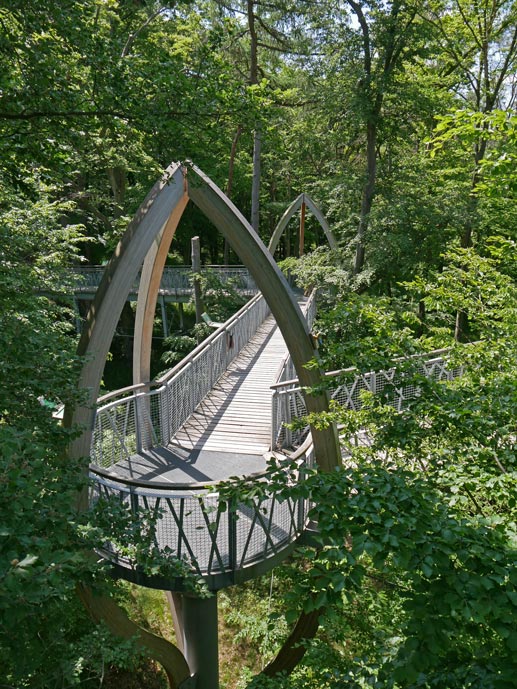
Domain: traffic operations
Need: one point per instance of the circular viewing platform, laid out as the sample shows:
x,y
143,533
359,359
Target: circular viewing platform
x,y
221,538
165,453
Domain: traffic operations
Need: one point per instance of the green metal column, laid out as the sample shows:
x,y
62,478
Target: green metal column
x,y
200,639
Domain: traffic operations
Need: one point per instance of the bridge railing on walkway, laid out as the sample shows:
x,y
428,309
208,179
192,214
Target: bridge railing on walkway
x,y
175,279
289,404
287,372
225,540
142,416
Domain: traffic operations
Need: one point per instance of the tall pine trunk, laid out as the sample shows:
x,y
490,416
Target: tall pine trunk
x,y
255,184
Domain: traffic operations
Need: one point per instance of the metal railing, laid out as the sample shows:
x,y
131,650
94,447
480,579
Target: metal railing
x,y
289,403
175,279
287,372
142,416
225,538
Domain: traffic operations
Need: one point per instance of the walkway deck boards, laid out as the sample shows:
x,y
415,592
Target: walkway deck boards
x,y
236,414
229,433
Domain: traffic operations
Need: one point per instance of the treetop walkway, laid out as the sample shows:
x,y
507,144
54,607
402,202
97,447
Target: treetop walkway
x,y
222,412
176,282
165,450
164,447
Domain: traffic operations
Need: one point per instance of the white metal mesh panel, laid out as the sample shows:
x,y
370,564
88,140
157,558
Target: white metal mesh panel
x,y
124,427
289,403
196,529
175,279
115,433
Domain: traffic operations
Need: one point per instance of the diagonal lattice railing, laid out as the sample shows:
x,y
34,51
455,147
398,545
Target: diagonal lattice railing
x,y
142,416
288,401
224,539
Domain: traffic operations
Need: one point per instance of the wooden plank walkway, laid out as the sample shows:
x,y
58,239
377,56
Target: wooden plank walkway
x,y
235,416
229,433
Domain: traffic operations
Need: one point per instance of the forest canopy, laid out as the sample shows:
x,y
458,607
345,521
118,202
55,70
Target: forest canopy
x,y
398,118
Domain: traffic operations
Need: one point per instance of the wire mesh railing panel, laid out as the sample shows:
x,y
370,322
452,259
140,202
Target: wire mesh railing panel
x,y
311,309
174,278
211,535
397,386
281,409
180,400
116,433
245,328
149,418
148,406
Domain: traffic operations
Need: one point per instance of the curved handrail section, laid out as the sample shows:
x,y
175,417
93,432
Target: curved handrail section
x,y
289,402
146,415
224,539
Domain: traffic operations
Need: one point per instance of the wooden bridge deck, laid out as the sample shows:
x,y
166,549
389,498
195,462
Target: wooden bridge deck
x,y
236,415
229,433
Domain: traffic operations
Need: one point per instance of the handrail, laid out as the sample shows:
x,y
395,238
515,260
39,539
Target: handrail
x,y
220,537
310,309
123,391
157,382
174,278
224,327
288,400
353,369
149,414
166,485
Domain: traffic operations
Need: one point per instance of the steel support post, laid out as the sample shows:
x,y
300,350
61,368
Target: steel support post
x,y
198,620
196,268
165,324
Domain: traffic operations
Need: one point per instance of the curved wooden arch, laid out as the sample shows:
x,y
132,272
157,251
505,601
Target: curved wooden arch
x,y
145,245
302,199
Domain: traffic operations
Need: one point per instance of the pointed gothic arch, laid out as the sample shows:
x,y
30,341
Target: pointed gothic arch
x,y
144,247
302,201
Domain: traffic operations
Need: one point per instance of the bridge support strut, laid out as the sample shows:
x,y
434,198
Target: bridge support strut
x,y
195,624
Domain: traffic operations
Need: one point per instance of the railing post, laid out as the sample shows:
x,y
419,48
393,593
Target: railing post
x,y
287,419
138,429
301,499
133,501
165,415
196,269
274,419
232,535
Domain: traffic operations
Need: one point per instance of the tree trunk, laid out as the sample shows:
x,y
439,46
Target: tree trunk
x,y
255,185
461,326
294,649
368,194
118,180
229,186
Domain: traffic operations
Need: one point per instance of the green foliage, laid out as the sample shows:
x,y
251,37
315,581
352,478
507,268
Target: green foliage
x,y
94,101
424,513
221,298
45,636
132,535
